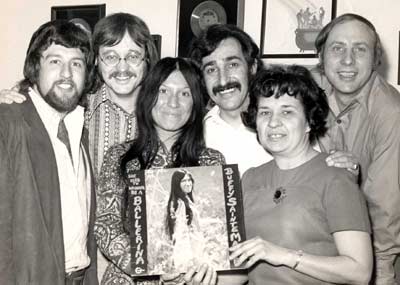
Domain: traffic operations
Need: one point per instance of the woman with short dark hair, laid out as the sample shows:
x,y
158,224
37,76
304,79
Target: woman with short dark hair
x,y
307,223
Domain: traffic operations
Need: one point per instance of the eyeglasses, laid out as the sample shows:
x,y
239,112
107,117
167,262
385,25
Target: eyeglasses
x,y
113,59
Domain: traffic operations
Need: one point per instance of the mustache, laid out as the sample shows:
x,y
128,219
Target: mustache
x,y
229,85
121,74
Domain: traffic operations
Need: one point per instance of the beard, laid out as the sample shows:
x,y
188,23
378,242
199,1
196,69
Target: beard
x,y
61,101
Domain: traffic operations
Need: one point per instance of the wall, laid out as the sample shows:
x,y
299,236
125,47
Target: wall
x,y
20,18
383,14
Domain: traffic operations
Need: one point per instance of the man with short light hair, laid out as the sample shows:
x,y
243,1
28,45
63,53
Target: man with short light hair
x,y
365,120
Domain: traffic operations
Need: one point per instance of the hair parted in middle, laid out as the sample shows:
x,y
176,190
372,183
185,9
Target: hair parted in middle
x,y
178,194
292,80
110,30
190,143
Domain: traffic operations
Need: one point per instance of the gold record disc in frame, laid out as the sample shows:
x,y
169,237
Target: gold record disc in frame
x,y
206,14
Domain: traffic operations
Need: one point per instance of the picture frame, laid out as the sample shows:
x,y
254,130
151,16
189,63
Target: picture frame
x,y
398,65
196,15
85,15
289,27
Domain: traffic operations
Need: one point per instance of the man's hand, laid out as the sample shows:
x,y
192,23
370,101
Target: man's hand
x,y
343,159
9,96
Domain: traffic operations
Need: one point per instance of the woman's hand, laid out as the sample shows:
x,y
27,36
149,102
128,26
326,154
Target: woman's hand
x,y
9,96
256,249
343,159
205,275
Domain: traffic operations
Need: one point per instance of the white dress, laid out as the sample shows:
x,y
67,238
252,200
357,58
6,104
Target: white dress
x,y
189,240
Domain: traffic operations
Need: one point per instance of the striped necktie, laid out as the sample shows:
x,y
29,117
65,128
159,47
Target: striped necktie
x,y
62,135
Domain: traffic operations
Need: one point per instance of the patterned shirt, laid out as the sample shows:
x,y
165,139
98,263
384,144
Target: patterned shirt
x,y
113,241
108,124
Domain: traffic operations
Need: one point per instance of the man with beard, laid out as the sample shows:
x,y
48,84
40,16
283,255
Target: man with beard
x,y
228,58
124,51
47,194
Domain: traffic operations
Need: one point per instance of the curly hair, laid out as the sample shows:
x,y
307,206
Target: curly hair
x,y
292,80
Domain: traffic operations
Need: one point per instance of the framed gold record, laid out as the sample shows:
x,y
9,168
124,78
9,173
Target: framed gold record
x,y
206,14
194,16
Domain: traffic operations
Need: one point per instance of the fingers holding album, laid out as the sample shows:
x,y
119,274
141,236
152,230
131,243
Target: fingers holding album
x,y
204,275
249,252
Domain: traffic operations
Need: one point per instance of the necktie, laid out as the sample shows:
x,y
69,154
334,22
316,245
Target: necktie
x,y
62,135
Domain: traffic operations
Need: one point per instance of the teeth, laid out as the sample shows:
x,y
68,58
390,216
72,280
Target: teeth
x,y
227,91
276,136
347,74
65,85
122,78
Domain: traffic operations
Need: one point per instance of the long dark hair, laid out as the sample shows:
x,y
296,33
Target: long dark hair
x,y
190,142
177,193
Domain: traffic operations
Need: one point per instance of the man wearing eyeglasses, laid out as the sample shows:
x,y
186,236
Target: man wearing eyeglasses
x,y
124,52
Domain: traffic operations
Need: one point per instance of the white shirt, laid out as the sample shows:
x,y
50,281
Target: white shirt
x,y
75,181
238,144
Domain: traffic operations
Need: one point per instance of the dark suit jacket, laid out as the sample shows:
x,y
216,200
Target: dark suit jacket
x,y
31,235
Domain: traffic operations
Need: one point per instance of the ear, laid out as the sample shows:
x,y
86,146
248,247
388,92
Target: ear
x,y
253,68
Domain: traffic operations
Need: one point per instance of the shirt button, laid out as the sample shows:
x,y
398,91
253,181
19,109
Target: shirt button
x,y
339,121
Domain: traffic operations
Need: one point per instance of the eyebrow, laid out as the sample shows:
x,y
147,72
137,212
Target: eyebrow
x,y
226,59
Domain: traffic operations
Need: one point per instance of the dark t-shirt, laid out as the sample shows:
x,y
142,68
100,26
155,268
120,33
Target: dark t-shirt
x,y
300,208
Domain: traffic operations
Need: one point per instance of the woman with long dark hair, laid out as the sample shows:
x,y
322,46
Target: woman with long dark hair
x,y
169,113
183,222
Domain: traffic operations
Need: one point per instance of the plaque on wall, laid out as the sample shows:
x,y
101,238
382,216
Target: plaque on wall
x,y
85,16
197,15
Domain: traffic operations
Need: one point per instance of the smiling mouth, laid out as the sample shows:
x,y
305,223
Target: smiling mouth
x,y
226,91
276,136
65,85
347,74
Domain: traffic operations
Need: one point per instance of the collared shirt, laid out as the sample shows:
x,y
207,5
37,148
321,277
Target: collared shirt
x,y
108,124
74,178
238,144
369,127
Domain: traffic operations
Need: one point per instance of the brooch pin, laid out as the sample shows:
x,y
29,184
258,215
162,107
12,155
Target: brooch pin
x,y
279,195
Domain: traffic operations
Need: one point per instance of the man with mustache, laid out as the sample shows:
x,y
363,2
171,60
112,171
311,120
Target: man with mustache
x,y
47,203
124,51
365,120
228,58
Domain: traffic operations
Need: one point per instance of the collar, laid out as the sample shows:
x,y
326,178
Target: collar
x,y
102,96
214,116
51,117
361,99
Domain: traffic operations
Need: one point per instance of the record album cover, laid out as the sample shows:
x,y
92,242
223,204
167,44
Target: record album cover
x,y
184,217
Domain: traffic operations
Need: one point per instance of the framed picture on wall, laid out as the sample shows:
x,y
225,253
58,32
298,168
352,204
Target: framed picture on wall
x,y
398,66
194,16
289,27
84,15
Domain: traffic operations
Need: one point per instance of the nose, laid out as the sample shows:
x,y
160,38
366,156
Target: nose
x,y
348,57
173,100
122,64
223,76
66,70
274,121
